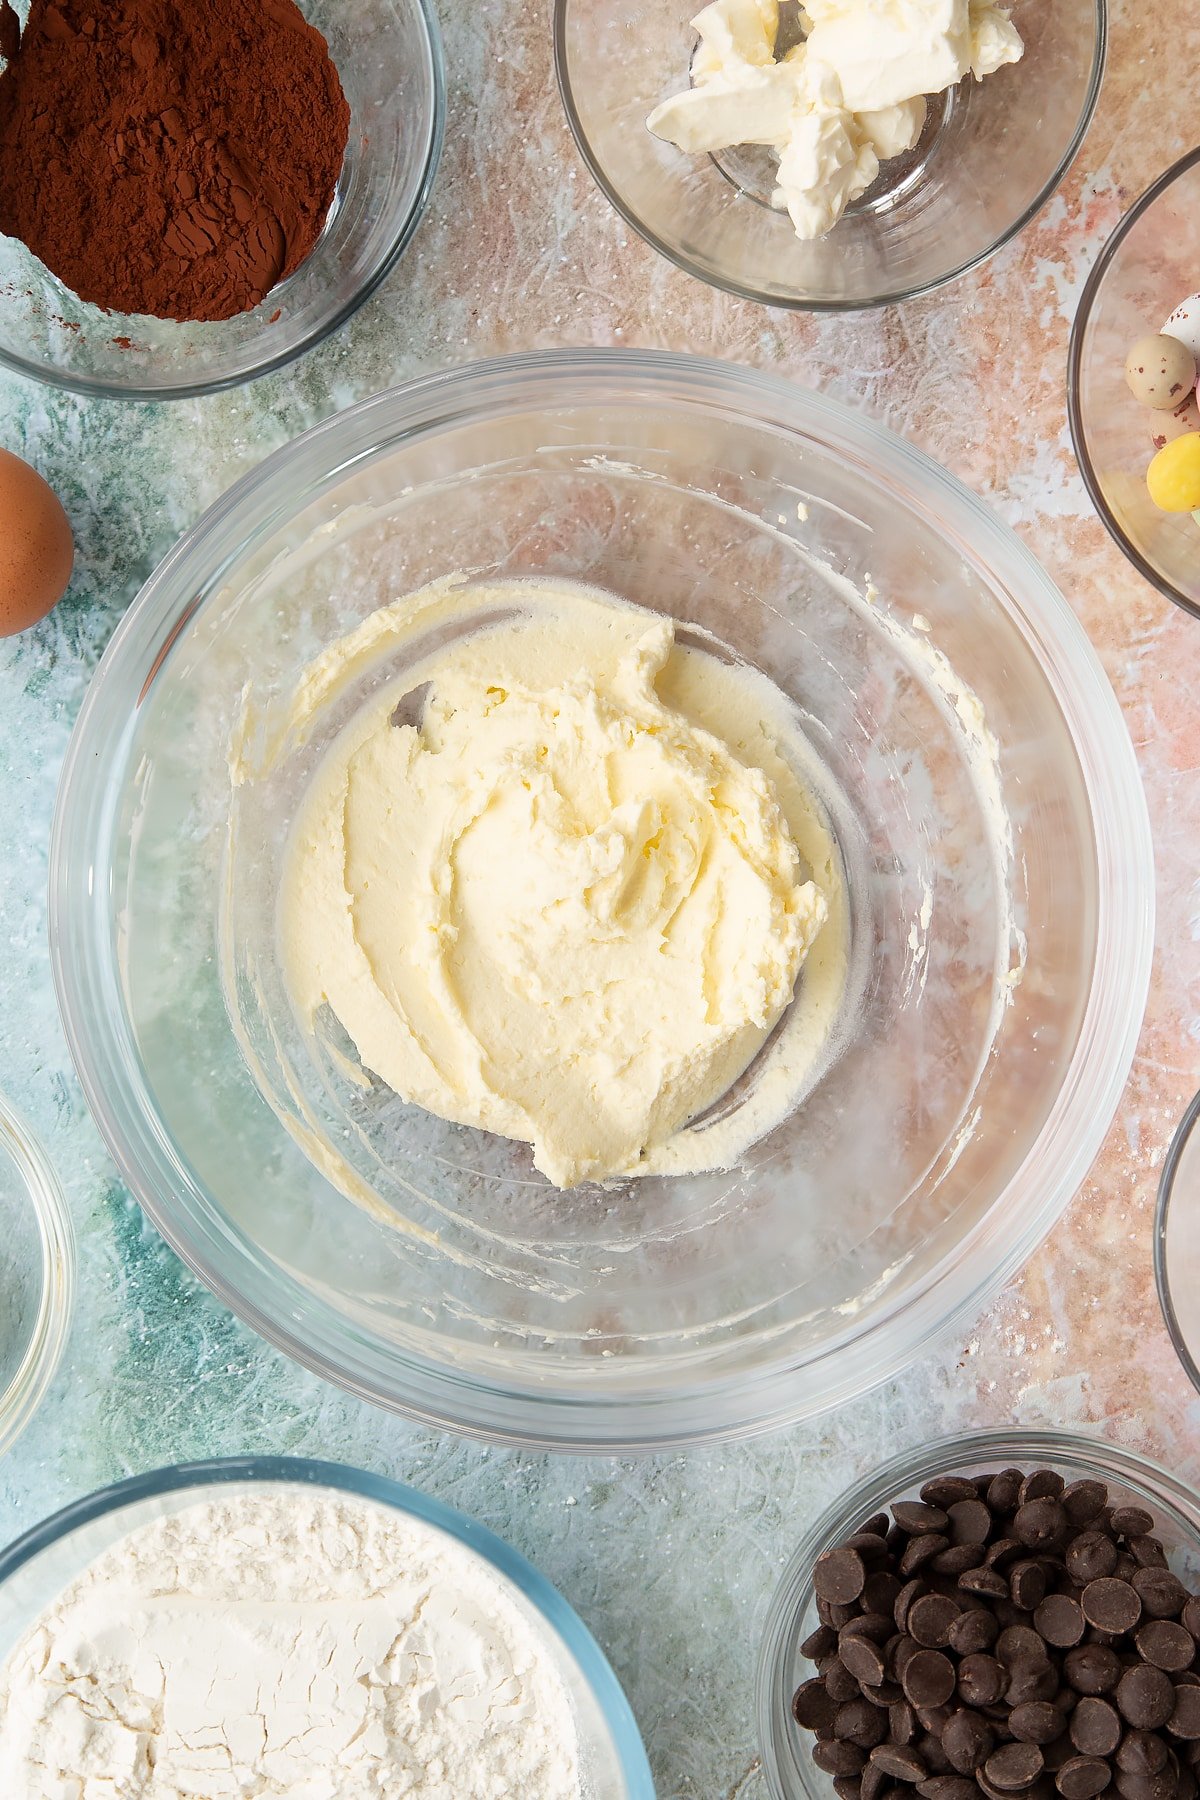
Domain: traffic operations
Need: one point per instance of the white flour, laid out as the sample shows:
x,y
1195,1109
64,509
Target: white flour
x,y
281,1642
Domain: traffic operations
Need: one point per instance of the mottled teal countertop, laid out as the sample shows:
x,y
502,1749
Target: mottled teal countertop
x,y
670,1560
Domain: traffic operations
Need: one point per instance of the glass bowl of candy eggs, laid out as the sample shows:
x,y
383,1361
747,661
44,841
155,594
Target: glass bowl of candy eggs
x,y
1135,419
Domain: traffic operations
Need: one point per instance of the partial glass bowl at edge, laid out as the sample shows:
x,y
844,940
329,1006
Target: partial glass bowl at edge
x,y
37,1567
1148,266
985,795
37,1274
388,54
1177,1242
791,1616
992,154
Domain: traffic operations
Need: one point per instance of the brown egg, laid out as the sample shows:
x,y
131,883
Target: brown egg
x,y
36,548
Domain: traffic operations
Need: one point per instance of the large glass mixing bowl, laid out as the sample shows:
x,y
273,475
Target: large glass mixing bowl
x,y
983,790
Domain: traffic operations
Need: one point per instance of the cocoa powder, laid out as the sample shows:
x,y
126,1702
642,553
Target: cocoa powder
x,y
172,157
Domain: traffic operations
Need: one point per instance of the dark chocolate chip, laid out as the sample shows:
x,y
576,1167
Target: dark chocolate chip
x,y
946,1490
1148,1552
1131,1521
912,1590
837,1758
847,1787
1090,1557
839,1576
929,1678
1095,1727
812,1707
988,1582
1111,1605
820,1643
1042,1484
970,1522
1027,1585
1037,1722
864,1658
1146,1697
880,1593
1168,1646
902,1723
1019,1644
840,1682
1004,1492
1005,1552
981,1680
858,1722
1031,1681
948,1787
973,1630
920,1550
1142,1753
1163,1595
877,1626
1083,1778
1191,1616
967,1740
1040,1523
1014,1767
1184,1721
885,1695
900,1761
958,1559
918,1518
1059,1620
878,1525
1084,1501
870,1546
931,1618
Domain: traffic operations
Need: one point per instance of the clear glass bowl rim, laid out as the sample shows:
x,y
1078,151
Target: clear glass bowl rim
x,y
96,388
1083,313
896,1477
541,1593
1162,1277
25,1392
734,1406
889,297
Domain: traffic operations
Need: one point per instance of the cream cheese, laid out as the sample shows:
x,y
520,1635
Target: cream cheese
x,y
570,901
848,97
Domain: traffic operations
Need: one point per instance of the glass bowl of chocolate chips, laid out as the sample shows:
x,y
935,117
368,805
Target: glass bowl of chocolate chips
x,y
1005,1616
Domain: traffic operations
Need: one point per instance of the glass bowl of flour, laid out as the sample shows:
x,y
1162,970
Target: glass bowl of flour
x,y
37,1273
851,621
279,1626
929,191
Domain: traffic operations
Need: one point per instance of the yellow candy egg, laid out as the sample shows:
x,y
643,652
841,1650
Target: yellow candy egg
x,y
1174,476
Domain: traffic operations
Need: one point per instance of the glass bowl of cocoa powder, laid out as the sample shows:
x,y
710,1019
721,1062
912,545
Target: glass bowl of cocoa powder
x,y
227,233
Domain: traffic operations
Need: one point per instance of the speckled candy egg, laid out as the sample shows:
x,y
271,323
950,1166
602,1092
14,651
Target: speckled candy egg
x,y
1184,324
1161,372
1165,427
1174,476
36,549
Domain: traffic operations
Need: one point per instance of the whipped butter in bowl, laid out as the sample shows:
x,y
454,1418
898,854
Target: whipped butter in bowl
x,y
600,900
560,878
